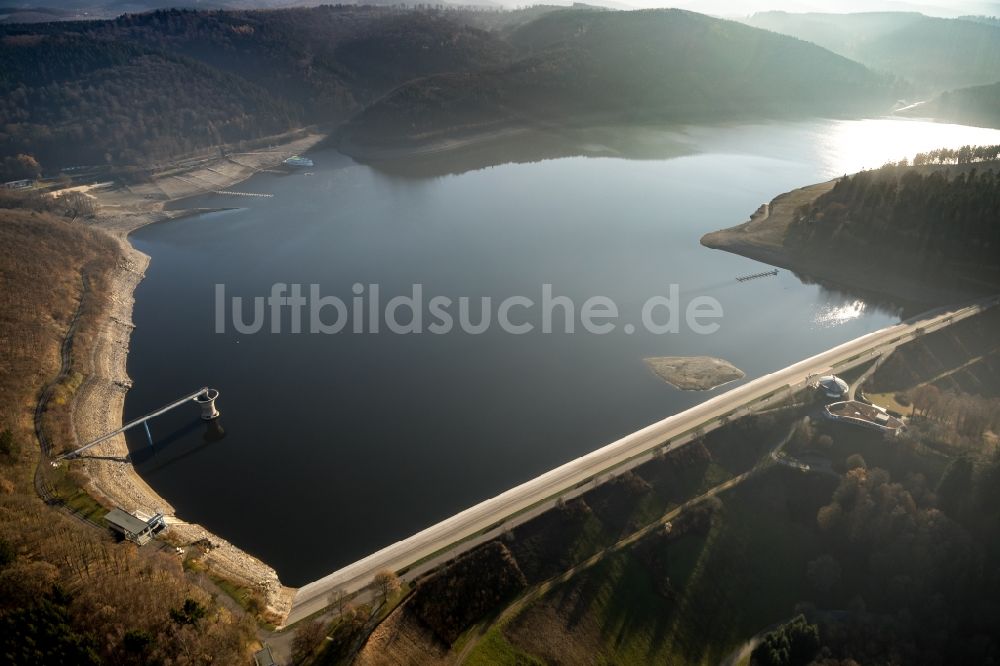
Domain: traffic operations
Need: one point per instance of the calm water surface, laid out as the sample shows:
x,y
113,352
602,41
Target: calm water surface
x,y
336,445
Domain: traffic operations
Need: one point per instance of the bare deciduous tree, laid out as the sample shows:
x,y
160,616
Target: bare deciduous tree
x,y
925,399
338,599
307,639
386,582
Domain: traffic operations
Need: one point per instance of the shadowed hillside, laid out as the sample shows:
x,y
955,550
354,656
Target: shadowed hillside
x,y
978,105
327,60
72,100
938,225
663,65
151,86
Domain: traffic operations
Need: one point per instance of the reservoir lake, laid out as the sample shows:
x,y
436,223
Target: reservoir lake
x,y
331,446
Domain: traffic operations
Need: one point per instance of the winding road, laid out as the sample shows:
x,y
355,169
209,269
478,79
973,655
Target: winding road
x,y
458,533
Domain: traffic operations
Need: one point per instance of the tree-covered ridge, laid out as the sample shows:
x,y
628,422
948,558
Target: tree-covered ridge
x,y
72,100
963,155
659,65
148,87
327,61
931,221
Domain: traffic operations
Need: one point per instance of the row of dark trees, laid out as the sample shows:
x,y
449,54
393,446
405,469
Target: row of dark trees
x,y
963,155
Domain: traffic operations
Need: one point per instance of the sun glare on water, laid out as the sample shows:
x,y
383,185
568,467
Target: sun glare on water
x,y
833,315
854,145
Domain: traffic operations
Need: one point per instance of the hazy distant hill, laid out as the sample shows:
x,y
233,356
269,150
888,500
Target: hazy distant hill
x,y
988,20
657,65
936,54
979,105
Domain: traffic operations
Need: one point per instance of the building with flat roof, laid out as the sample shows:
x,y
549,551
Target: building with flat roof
x,y
864,414
133,528
264,657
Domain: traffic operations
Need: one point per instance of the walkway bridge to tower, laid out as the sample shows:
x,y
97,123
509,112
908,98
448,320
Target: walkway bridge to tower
x,y
204,396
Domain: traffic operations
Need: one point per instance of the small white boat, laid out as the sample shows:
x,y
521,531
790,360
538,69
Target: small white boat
x,y
299,161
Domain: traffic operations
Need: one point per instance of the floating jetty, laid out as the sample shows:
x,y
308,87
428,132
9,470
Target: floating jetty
x,y
243,194
754,276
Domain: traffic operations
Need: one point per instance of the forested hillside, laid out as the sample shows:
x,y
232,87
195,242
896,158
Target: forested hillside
x,y
327,60
75,100
936,223
978,105
151,86
659,65
934,54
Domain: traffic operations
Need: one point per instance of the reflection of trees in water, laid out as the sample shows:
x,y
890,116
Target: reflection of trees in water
x,y
536,145
633,143
891,305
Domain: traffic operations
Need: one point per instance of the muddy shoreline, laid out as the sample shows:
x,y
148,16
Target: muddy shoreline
x,y
99,403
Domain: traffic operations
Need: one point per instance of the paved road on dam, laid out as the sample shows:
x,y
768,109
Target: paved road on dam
x,y
440,541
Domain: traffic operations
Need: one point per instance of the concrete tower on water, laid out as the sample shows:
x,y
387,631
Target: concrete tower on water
x,y
207,401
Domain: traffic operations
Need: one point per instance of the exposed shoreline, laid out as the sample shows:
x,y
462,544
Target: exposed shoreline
x,y
99,403
355,140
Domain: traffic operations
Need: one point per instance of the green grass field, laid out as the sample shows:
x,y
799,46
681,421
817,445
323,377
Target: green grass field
x,y
495,650
76,498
